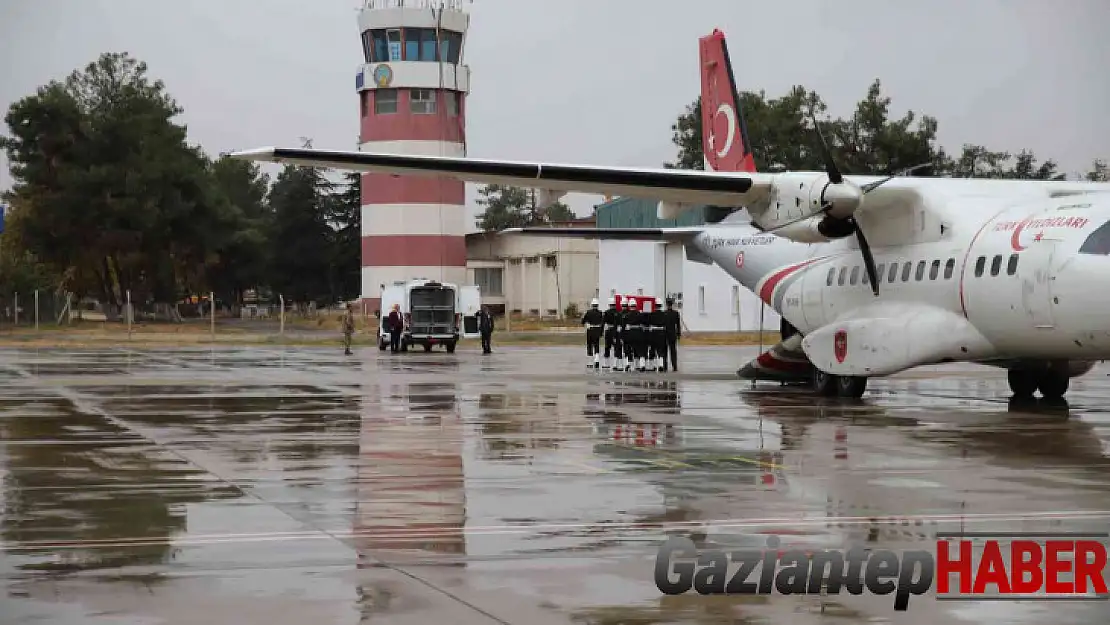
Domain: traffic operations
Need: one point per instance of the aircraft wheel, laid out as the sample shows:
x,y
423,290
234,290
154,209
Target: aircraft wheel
x,y
824,383
851,386
1022,382
1053,384
450,348
427,347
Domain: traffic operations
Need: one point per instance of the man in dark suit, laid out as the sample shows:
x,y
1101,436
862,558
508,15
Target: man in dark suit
x,y
396,324
672,330
485,327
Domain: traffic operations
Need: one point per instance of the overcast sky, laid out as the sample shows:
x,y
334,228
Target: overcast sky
x,y
598,81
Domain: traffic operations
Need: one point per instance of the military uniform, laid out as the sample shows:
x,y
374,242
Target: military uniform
x,y
634,322
612,319
672,332
656,337
626,339
594,322
348,329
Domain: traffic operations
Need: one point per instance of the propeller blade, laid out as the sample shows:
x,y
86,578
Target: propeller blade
x,y
871,186
868,259
833,172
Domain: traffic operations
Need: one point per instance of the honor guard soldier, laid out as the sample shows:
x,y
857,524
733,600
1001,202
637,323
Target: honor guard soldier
x,y
656,336
594,322
673,332
612,320
626,340
634,322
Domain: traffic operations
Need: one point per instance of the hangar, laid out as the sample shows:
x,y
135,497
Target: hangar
x,y
710,299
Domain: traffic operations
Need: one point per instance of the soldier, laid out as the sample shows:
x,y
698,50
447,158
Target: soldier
x,y
593,320
626,342
612,337
672,332
348,328
485,328
657,338
634,336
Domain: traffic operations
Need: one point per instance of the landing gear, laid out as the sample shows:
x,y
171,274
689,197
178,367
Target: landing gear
x,y
1051,382
847,386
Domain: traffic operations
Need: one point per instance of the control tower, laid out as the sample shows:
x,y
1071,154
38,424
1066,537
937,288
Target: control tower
x,y
412,90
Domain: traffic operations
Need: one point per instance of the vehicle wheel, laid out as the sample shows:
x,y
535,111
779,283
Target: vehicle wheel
x,y
851,386
427,347
1053,384
450,348
1022,382
824,383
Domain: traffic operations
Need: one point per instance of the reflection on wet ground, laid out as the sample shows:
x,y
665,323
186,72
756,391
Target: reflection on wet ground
x,y
295,485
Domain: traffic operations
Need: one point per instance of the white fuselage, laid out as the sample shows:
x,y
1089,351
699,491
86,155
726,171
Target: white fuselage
x,y
1011,267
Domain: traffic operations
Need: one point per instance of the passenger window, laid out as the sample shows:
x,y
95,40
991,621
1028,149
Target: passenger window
x,y
829,278
948,267
979,264
920,273
855,274
934,269
996,264
906,271
1011,267
893,272
843,274
865,279
879,272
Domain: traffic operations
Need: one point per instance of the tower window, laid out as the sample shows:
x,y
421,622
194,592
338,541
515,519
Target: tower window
x,y
428,44
452,101
385,101
422,101
450,45
412,44
379,46
393,37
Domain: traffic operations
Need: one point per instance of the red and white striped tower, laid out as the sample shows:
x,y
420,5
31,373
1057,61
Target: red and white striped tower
x,y
412,92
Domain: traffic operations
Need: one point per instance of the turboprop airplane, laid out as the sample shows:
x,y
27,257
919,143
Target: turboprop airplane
x,y
999,272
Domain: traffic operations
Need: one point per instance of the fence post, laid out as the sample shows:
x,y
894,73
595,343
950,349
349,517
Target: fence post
x,y
281,315
212,310
128,313
36,310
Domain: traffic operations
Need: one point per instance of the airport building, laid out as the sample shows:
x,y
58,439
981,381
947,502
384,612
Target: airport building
x,y
710,299
533,276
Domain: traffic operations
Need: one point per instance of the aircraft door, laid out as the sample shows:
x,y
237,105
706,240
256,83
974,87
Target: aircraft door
x,y
813,305
1035,270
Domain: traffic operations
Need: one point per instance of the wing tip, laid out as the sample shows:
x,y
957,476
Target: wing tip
x,y
257,154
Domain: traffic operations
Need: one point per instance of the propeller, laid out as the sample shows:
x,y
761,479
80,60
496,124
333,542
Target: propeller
x,y
847,193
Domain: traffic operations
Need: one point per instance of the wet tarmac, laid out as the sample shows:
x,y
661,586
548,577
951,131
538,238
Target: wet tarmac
x,y
299,486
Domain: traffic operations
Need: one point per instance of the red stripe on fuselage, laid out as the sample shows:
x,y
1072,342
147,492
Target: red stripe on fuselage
x,y
768,360
767,291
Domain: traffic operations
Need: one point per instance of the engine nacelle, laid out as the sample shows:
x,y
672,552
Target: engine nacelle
x,y
798,195
672,210
817,229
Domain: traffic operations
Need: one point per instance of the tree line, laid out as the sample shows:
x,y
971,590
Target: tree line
x,y
110,199
869,141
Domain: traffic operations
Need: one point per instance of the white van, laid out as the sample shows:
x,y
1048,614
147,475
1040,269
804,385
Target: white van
x,y
435,313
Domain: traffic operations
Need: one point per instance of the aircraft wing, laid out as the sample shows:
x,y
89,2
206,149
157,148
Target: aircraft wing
x,y
689,187
612,234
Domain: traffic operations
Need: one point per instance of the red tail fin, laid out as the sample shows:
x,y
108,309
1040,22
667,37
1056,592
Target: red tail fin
x,y
724,133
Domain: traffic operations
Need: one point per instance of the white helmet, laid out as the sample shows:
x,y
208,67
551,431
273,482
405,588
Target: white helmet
x,y
593,303
613,301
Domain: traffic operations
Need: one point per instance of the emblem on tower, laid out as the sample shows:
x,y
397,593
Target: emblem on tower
x,y
383,75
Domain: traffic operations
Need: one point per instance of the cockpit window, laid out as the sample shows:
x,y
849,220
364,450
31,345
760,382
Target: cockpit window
x,y
1098,242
